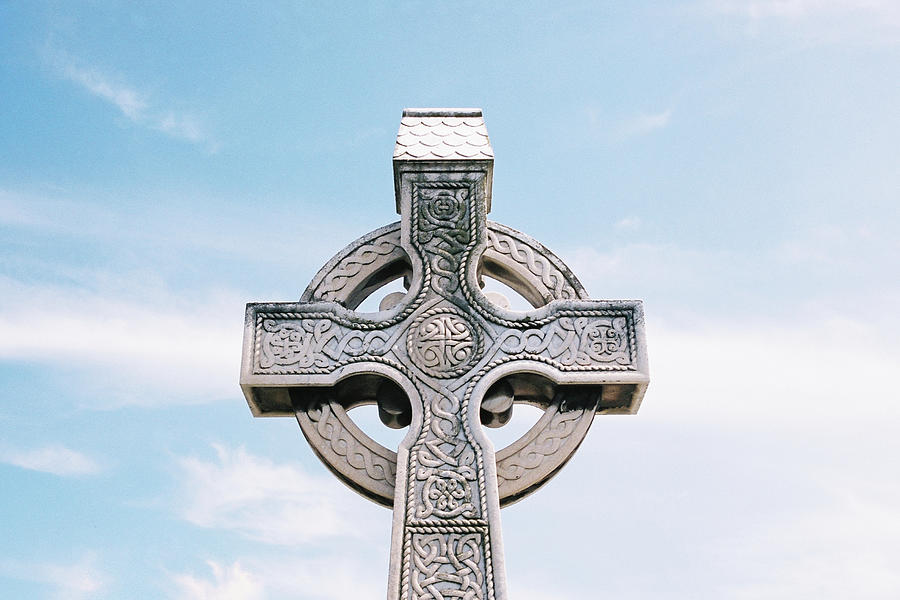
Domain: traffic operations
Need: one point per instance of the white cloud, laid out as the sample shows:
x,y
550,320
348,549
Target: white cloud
x,y
623,127
264,501
628,223
125,328
847,549
855,249
347,576
228,583
132,103
168,226
56,459
785,374
645,123
337,577
182,351
760,9
181,126
69,581
630,266
866,21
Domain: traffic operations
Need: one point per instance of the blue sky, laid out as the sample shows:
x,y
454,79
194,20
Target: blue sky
x,y
735,164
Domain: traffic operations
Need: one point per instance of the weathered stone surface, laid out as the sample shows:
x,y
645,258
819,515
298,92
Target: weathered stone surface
x,y
444,359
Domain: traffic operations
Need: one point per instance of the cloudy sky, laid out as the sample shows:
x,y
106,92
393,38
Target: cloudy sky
x,y
735,164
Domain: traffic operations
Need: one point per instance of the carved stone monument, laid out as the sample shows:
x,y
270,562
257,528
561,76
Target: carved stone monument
x,y
444,359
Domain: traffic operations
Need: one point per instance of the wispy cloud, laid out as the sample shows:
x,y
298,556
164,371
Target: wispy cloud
x,y
782,374
129,101
867,21
227,583
177,350
636,265
183,126
628,223
154,341
336,577
645,123
760,9
168,223
274,503
132,103
850,248
69,581
56,459
787,333
844,549
617,127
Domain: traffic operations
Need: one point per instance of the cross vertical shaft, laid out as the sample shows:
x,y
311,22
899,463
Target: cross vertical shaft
x,y
446,539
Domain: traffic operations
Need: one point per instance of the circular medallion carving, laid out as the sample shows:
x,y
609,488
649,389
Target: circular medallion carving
x,y
444,207
443,343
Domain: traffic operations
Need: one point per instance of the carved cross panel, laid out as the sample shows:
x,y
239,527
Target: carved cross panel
x,y
444,360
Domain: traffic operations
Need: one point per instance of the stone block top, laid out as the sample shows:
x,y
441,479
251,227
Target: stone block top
x,y
443,134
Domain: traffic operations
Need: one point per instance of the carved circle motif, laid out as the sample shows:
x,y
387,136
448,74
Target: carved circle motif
x,y
447,496
443,343
601,341
444,207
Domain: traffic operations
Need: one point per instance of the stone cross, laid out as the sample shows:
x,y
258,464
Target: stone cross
x,y
444,359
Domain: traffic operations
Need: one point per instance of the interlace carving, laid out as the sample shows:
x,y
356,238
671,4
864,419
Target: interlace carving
x,y
444,463
447,494
557,286
563,424
441,223
575,342
350,266
346,445
448,566
443,343
299,345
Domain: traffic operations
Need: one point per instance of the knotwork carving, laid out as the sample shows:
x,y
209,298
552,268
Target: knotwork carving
x,y
441,212
557,287
447,494
344,444
547,446
443,342
348,268
529,458
449,566
342,283
575,342
444,463
294,344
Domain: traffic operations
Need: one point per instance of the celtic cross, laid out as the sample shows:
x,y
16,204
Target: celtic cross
x,y
444,359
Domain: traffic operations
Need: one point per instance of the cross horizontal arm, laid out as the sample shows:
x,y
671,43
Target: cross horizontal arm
x,y
576,336
306,344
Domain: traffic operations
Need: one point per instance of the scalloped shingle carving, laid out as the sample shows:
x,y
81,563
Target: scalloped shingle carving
x,y
443,134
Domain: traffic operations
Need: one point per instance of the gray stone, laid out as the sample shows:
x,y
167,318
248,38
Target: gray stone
x,y
444,359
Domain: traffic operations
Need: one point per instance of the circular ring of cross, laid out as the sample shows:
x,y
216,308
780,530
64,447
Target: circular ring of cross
x,y
511,257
